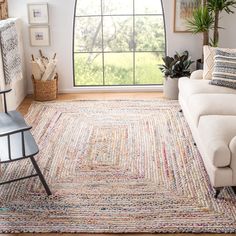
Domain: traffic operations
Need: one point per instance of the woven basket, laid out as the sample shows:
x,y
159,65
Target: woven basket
x,y
45,90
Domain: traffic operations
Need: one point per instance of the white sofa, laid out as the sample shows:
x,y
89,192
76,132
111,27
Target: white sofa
x,y
211,114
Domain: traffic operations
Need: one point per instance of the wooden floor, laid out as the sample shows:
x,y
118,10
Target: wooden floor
x,y
98,96
93,96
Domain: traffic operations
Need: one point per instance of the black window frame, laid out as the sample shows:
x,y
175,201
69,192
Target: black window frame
x,y
133,15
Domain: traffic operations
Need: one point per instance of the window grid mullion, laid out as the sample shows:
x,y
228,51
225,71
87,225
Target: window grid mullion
x,y
103,52
134,43
119,52
81,16
103,67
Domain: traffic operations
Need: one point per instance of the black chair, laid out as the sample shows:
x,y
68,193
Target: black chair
x,y
17,142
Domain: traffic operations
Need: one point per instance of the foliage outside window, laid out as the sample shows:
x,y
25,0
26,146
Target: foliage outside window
x,y
118,42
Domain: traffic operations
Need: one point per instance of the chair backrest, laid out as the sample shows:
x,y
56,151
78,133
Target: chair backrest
x,y
4,98
14,134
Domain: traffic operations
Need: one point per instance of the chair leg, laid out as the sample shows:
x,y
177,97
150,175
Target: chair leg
x,y
41,177
217,192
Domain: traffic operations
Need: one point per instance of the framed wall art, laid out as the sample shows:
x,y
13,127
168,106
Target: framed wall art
x,y
39,36
38,13
183,10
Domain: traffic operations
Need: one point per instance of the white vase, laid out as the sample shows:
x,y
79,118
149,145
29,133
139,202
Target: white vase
x,y
171,89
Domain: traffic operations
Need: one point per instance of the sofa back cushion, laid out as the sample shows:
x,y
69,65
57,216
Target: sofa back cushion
x,y
224,73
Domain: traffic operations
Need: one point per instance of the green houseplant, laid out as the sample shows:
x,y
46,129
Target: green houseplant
x,y
201,22
173,68
206,17
216,7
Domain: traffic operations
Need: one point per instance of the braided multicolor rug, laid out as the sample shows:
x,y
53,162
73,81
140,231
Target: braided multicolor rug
x,y
115,167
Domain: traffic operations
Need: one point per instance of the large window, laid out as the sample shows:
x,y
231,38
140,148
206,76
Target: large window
x,y
118,42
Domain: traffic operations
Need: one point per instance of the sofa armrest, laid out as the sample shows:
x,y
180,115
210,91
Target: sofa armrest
x,y
198,74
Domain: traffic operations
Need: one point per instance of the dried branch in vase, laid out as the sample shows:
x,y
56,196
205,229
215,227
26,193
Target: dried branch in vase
x,y
3,9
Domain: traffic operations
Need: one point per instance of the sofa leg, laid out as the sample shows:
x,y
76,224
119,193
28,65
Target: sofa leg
x,y
195,144
234,189
217,192
181,111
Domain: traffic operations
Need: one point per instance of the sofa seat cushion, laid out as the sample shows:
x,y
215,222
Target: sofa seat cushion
x,y
188,87
217,133
211,104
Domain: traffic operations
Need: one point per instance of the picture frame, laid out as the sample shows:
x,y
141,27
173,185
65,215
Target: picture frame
x,y
183,10
38,13
39,36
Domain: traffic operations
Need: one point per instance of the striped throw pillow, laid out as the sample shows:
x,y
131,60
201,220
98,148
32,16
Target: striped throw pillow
x,y
224,73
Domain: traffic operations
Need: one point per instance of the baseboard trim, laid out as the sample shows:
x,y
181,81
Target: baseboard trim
x,y
113,89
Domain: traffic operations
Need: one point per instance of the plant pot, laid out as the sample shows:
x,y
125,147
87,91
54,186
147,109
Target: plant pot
x,y
171,88
199,64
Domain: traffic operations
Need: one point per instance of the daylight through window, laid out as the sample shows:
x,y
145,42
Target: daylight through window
x,y
118,42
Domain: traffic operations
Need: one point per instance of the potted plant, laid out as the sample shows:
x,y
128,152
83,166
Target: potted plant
x,y
216,7
206,17
201,22
174,68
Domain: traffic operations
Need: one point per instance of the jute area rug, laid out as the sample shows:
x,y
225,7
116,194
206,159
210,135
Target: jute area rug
x,y
114,167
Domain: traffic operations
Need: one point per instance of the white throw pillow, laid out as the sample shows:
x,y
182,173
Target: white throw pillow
x,y
209,58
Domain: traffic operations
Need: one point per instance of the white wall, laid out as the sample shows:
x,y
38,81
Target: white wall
x,y
180,41
61,24
228,33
